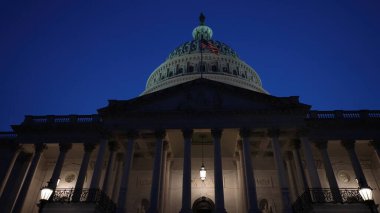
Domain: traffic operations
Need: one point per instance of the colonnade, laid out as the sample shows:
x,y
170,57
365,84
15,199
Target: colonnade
x,y
158,177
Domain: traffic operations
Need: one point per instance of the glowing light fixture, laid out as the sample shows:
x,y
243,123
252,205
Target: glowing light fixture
x,y
46,192
366,193
202,171
58,181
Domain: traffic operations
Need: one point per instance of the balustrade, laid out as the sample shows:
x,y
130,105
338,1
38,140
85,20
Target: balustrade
x,y
324,195
97,196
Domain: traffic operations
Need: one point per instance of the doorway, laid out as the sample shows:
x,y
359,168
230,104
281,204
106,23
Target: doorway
x,y
203,205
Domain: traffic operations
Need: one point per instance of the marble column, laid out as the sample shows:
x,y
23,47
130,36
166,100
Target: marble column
x,y
240,167
116,186
349,145
112,147
163,182
128,158
96,175
88,148
293,187
156,176
248,173
310,164
186,180
376,145
165,193
274,134
8,159
301,177
218,173
63,149
38,149
322,146
14,183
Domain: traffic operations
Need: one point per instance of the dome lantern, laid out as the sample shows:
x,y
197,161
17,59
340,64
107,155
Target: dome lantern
x,y
202,31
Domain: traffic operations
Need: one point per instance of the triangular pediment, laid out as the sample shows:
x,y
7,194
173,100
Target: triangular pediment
x,y
203,95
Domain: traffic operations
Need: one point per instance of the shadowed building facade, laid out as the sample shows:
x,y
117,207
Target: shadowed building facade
x,y
203,106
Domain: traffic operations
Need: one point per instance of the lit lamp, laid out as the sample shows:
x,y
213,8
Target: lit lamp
x,y
367,195
202,172
46,192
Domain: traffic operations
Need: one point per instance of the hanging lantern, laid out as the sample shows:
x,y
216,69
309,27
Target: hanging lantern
x,y
46,192
202,172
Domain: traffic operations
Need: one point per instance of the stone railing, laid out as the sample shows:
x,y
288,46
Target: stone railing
x,y
340,114
7,135
95,196
305,202
62,119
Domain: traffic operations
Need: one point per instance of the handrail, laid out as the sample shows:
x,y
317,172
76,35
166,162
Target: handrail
x,y
341,114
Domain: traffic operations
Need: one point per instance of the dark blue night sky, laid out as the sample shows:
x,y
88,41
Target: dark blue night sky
x,y
70,57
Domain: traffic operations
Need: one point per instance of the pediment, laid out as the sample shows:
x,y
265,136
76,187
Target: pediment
x,y
203,95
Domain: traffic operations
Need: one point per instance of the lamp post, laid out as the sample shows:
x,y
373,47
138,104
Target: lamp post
x,y
46,192
367,195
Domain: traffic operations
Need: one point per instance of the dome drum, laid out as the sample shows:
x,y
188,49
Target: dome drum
x,y
226,69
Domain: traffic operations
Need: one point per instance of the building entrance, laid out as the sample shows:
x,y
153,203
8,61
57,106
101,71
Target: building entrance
x,y
203,205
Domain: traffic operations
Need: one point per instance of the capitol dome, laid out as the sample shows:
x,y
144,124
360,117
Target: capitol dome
x,y
203,57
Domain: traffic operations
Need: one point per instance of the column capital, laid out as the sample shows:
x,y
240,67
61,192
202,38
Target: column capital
x,y
245,133
321,144
239,144
13,146
39,147
160,134
273,133
131,134
64,147
166,145
216,133
119,156
303,132
89,147
187,133
112,145
348,144
24,156
295,144
288,155
375,144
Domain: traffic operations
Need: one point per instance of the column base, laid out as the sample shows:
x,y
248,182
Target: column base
x,y
254,211
185,211
222,210
121,210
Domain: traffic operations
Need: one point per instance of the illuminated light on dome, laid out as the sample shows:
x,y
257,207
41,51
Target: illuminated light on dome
x,y
184,64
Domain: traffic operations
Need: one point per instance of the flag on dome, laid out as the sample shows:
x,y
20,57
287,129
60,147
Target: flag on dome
x,y
207,44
